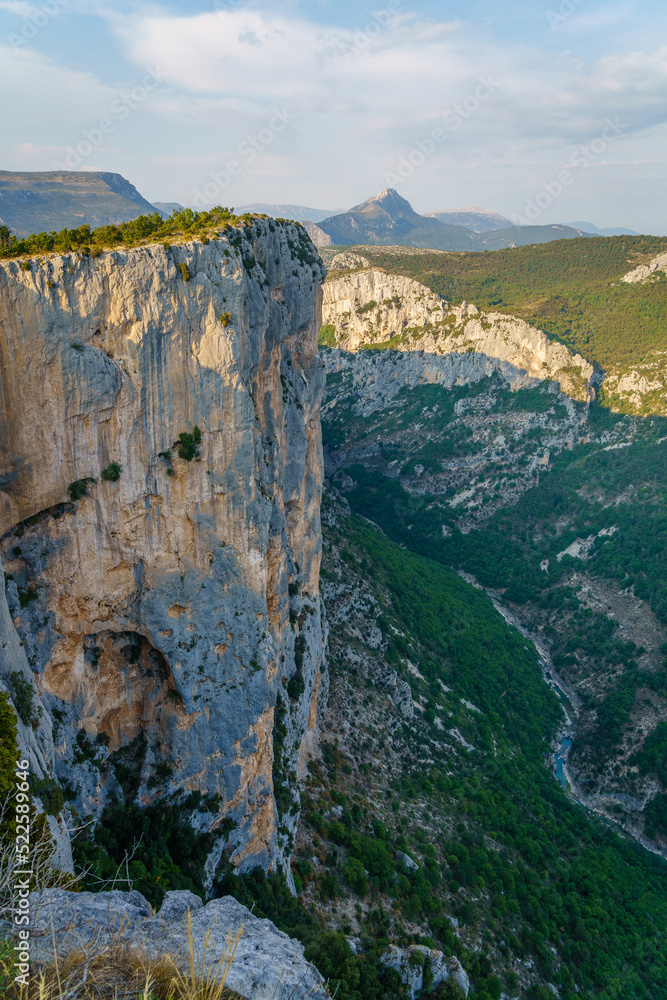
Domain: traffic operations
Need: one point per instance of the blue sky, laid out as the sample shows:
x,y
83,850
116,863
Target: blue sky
x,y
550,111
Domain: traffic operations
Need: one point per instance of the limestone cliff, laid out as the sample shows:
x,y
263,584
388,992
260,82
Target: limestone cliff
x,y
160,482
370,307
639,387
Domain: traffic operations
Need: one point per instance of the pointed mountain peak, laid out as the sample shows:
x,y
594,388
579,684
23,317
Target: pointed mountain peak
x,y
387,199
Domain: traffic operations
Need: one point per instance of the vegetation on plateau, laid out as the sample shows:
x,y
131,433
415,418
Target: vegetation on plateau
x,y
184,224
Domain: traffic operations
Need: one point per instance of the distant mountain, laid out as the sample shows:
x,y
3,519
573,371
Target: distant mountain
x,y
477,220
386,219
165,208
590,228
299,213
521,236
59,199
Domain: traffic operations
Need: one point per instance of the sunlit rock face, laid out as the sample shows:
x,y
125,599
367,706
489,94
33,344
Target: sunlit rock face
x,y
454,346
160,483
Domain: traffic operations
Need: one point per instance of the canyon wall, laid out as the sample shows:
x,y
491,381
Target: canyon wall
x,y
455,345
160,483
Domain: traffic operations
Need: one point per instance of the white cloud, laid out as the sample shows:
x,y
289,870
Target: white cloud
x,y
45,92
402,73
361,98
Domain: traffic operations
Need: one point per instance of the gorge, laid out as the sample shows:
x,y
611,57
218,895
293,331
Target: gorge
x,y
376,779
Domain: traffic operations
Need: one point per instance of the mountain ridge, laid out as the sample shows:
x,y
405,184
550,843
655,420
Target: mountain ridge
x,y
32,202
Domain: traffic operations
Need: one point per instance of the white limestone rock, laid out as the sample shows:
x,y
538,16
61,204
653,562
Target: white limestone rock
x,y
444,346
410,962
645,271
267,962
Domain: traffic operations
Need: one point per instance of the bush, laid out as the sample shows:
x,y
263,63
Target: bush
x,y
332,956
449,990
327,336
539,993
24,695
8,751
188,444
185,272
169,854
355,876
226,319
112,472
494,987
51,794
79,488
329,888
296,685
26,596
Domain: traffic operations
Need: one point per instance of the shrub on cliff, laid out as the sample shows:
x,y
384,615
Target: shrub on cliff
x,y
79,488
112,472
188,444
50,793
8,753
327,336
24,695
163,851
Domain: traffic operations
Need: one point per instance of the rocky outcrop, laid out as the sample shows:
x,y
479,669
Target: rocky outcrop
x,y
415,963
646,271
457,345
160,481
266,963
640,387
371,306
347,260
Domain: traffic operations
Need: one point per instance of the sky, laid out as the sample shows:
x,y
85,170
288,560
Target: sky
x,y
548,111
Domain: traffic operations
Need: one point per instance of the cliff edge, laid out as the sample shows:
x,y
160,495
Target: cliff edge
x,y
160,484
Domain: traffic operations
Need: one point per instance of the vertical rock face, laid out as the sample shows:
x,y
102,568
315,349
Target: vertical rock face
x,y
176,601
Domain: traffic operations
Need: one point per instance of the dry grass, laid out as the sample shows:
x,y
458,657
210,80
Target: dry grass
x,y
119,972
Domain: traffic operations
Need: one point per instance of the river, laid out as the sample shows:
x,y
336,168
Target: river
x,y
569,700
571,704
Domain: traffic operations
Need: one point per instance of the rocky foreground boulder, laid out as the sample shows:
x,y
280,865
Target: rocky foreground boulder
x,y
267,962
